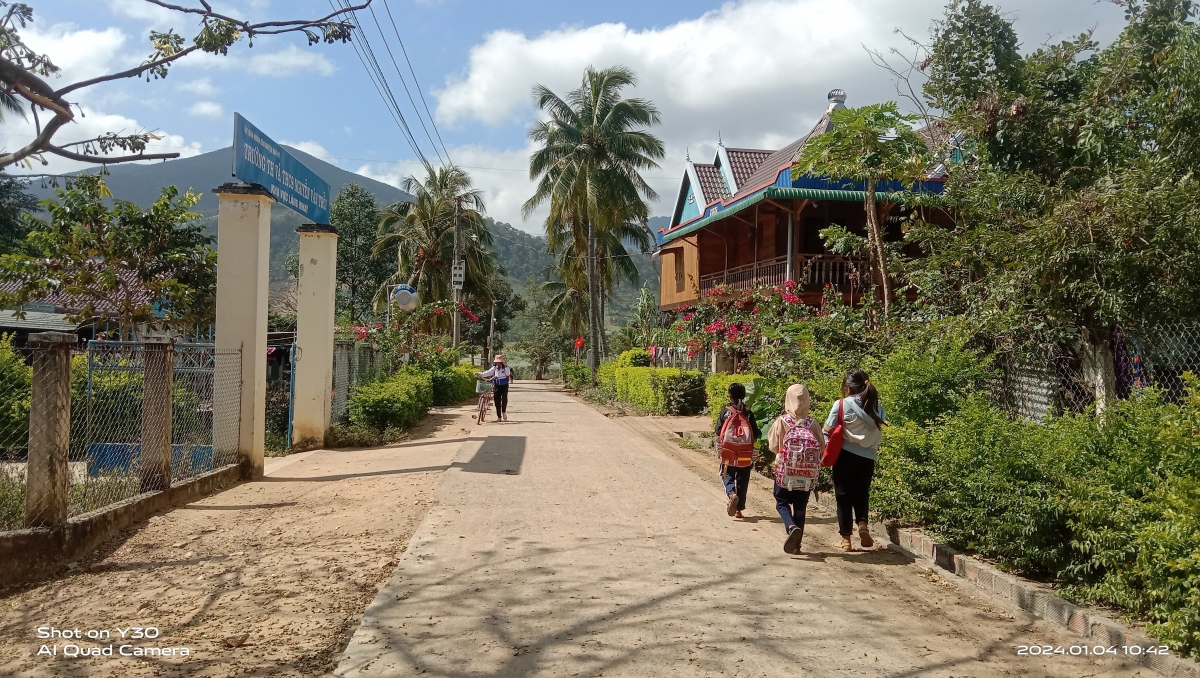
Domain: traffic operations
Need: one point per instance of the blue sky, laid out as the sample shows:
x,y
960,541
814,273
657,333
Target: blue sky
x,y
753,71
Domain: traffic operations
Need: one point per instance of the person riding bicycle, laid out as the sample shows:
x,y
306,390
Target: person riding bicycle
x,y
501,376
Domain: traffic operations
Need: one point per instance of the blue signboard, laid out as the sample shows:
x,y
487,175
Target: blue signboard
x,y
259,160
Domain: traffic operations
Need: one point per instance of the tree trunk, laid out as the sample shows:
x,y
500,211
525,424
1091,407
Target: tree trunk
x,y
876,237
593,303
1099,371
602,320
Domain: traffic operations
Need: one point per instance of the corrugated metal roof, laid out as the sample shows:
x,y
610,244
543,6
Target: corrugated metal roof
x,y
37,320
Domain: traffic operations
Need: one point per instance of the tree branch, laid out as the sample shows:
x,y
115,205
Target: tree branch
x,y
37,145
132,72
59,151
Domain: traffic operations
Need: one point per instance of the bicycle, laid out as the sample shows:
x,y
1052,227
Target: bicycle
x,y
484,389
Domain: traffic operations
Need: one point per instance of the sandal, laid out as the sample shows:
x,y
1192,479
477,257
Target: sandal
x,y
864,535
846,546
731,505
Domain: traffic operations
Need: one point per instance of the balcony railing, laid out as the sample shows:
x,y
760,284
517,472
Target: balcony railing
x,y
811,271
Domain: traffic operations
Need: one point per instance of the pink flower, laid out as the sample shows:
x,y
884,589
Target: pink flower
x,y
791,298
790,284
688,317
679,328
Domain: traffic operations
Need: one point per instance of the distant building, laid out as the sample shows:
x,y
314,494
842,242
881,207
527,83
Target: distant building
x,y
742,222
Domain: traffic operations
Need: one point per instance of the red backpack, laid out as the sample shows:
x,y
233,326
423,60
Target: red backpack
x,y
736,440
799,460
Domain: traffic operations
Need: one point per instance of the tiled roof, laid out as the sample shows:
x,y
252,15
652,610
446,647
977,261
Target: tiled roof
x,y
711,182
743,162
62,303
768,170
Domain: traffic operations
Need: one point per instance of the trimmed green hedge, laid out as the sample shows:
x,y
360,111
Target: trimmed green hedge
x,y
606,379
634,357
661,390
453,385
716,388
400,401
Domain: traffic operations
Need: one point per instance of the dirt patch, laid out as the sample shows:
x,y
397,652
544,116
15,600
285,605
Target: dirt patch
x,y
266,578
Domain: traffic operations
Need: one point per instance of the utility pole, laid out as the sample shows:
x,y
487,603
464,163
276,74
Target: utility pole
x,y
491,334
455,282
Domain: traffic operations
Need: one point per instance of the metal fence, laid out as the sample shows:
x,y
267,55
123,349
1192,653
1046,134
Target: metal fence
x,y
141,416
354,364
1040,380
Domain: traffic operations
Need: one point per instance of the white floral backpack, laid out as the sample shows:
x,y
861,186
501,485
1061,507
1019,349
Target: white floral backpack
x,y
798,462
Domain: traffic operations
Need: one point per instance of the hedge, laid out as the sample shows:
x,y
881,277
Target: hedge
x,y
634,357
716,387
661,390
453,385
400,401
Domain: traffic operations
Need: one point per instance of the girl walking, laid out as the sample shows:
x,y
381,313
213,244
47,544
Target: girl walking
x,y
500,375
736,432
796,440
862,419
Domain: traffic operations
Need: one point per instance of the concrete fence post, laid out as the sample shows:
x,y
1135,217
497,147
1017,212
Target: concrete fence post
x,y
158,369
316,294
47,474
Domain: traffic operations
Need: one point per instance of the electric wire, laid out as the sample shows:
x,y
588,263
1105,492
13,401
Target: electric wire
x,y
421,92
371,64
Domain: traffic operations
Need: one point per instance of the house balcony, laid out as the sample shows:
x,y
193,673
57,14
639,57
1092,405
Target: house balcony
x,y
812,272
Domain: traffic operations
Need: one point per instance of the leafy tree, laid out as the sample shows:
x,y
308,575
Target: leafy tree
x,y
1075,200
354,214
14,201
422,235
508,304
541,342
593,148
874,144
152,266
24,74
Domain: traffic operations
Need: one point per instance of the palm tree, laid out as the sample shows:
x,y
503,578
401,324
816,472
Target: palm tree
x,y
422,235
593,149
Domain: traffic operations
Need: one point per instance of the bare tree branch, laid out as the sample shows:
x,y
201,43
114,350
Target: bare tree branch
x,y
108,160
131,73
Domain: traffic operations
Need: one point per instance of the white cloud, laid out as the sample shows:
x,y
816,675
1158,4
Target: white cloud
x,y
756,72
290,60
201,86
206,109
81,54
16,132
312,148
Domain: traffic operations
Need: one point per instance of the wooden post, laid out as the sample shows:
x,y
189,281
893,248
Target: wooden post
x,y
47,474
789,248
158,370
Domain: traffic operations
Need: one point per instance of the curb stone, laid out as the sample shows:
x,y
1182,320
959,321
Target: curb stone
x,y
1035,601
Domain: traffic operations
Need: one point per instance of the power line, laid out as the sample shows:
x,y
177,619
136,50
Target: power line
x,y
367,56
404,83
415,81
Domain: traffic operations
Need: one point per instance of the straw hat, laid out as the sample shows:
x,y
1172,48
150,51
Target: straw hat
x,y
499,358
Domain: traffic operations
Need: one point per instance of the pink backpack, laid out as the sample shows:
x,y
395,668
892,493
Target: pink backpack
x,y
798,462
737,440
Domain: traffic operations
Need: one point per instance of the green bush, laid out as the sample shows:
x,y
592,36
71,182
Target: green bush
x,y
716,389
606,380
400,401
930,375
634,357
576,375
16,379
453,385
661,390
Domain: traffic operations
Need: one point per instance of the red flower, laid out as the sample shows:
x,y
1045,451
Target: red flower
x,y
756,309
679,328
790,284
688,317
791,298
438,311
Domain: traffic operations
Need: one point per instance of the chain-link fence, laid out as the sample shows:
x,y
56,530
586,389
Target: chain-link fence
x,y
1037,380
83,429
354,364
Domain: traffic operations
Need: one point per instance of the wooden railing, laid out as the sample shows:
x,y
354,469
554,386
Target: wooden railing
x,y
811,271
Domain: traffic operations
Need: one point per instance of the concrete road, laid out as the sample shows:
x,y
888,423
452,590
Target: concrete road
x,y
563,543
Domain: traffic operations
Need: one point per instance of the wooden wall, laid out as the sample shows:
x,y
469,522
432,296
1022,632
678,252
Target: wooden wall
x,y
679,279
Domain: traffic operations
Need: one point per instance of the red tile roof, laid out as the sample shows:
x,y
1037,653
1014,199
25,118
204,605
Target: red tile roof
x,y
768,170
711,182
743,162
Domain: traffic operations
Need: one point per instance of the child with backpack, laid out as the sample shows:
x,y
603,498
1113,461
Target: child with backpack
x,y
861,417
736,432
797,442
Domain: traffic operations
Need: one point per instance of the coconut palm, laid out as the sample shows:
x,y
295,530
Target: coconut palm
x,y
422,235
588,168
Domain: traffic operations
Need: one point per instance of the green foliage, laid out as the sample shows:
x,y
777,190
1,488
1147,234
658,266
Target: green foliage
x,y
660,390
152,266
1107,506
15,201
16,383
400,401
716,388
453,385
606,380
359,274
635,357
576,375
929,374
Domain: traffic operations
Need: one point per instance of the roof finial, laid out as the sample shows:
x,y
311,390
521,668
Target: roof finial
x,y
719,142
689,154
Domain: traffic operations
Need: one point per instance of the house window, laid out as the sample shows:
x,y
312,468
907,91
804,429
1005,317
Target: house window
x,y
678,270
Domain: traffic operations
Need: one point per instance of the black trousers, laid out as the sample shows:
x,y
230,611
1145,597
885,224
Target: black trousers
x,y
500,396
852,476
737,479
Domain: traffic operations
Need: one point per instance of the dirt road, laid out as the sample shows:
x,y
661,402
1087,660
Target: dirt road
x,y
266,578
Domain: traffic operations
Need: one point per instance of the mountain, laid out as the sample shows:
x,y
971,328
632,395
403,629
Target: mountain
x,y
141,184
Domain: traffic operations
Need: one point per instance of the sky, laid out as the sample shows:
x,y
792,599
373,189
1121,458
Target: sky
x,y
753,73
